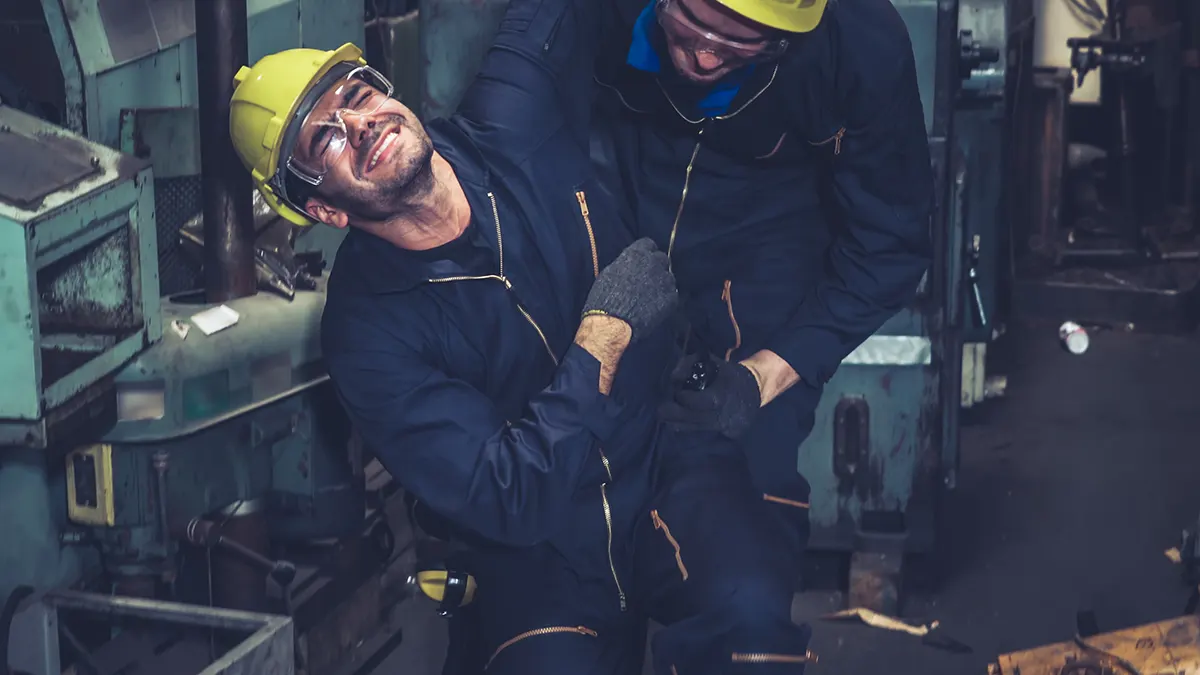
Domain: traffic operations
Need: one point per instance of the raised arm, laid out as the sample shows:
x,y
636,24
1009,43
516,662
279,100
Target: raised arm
x,y
883,182
536,79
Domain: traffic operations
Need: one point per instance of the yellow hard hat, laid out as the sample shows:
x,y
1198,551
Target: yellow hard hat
x,y
792,16
272,94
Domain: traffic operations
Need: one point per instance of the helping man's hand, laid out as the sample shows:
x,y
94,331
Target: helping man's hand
x,y
637,288
724,400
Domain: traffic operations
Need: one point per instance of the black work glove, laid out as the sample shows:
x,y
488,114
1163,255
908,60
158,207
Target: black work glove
x,y
712,396
637,288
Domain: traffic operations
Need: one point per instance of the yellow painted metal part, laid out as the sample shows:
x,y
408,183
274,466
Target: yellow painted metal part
x,y
101,512
433,585
1165,647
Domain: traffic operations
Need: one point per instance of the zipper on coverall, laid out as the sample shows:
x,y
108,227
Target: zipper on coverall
x,y
546,343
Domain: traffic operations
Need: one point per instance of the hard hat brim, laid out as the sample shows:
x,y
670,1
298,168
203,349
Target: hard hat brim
x,y
347,53
789,19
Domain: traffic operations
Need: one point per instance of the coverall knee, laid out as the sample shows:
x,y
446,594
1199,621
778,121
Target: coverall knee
x,y
715,567
772,446
533,614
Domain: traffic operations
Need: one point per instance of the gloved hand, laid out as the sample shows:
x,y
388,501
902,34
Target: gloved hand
x,y
637,288
724,398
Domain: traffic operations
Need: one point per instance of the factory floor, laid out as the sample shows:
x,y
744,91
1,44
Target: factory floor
x,y
1070,490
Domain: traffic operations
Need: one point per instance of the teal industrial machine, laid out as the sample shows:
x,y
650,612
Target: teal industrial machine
x,y
885,445
79,292
167,430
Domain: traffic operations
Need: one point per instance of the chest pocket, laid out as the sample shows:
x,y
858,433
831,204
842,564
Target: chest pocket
x,y
485,342
829,145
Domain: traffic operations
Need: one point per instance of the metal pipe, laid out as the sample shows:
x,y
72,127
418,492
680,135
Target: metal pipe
x,y
222,48
160,471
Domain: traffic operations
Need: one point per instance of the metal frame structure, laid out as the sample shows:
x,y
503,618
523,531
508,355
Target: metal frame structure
x,y
268,650
79,282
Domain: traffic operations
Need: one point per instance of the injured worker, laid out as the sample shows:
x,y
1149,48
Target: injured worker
x,y
502,344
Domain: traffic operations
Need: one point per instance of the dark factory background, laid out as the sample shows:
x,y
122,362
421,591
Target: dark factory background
x,y
1003,476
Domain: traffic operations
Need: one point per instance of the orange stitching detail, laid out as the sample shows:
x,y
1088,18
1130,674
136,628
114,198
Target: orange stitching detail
x,y
660,525
785,502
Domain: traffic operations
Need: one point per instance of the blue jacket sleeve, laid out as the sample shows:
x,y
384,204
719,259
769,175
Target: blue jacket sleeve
x,y
536,80
882,182
510,481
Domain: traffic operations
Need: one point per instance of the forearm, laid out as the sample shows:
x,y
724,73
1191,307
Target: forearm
x,y
605,338
773,374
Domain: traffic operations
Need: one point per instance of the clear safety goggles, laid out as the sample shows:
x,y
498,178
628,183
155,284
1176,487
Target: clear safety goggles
x,y
362,91
689,33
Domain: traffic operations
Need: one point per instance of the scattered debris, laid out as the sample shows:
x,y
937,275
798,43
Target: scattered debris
x,y
215,319
181,328
1073,337
872,618
1174,555
928,633
995,386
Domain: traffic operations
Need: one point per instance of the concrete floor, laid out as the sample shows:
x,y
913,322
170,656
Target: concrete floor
x,y
1070,490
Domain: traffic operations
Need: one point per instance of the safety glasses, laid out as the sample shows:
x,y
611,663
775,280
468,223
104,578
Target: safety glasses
x,y
362,91
687,31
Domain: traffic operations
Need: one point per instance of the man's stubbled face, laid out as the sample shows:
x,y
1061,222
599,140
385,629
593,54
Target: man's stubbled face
x,y
385,162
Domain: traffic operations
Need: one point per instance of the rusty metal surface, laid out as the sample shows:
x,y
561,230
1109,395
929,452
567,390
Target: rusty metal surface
x,y
90,289
1051,92
1153,649
34,168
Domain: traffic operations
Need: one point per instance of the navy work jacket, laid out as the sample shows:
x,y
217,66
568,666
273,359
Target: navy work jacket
x,y
798,212
461,374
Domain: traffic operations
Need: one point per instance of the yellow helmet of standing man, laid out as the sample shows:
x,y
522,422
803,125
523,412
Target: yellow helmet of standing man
x,y
268,108
791,16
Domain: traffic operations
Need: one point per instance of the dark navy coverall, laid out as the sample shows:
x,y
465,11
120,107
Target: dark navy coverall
x,y
458,369
795,197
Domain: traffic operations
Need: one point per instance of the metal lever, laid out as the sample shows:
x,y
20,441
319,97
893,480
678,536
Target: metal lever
x,y
1088,54
204,533
973,276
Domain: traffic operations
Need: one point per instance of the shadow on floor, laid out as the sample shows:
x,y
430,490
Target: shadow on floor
x,y
1070,490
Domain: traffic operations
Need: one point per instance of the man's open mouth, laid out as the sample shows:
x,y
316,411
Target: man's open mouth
x,y
381,148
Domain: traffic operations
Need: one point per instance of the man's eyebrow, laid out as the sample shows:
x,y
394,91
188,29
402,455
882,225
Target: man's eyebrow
x,y
318,138
350,93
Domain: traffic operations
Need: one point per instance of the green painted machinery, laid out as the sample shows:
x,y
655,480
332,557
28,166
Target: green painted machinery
x,y
78,299
78,280
239,425
124,73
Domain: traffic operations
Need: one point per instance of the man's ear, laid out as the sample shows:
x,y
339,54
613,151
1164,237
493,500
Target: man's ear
x,y
325,213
